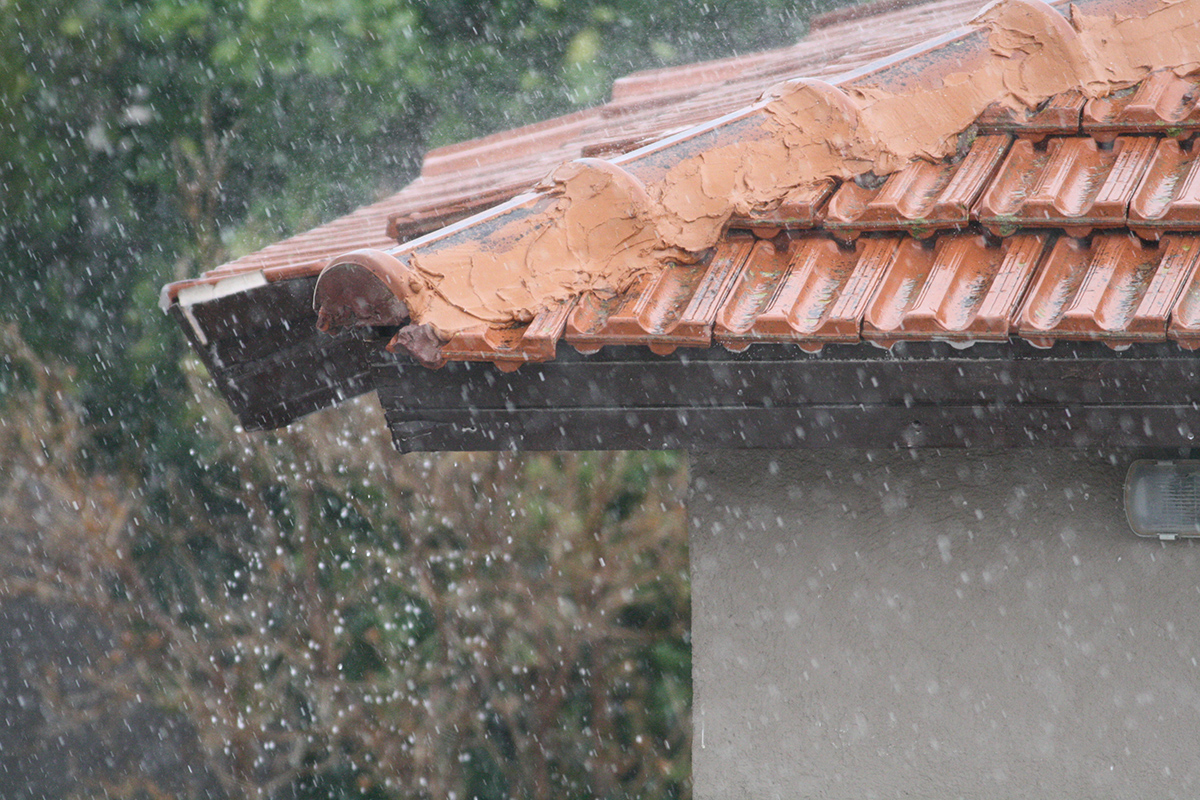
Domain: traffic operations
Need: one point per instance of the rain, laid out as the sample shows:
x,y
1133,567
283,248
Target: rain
x,y
840,571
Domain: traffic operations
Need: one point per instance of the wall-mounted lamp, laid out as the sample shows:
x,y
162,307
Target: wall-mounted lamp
x,y
1162,498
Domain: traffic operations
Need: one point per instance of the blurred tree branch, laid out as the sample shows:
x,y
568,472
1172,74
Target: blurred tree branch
x,y
200,173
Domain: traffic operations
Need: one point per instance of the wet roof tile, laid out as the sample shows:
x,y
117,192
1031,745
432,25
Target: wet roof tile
x,y
1059,116
1169,195
1074,183
963,289
922,198
459,180
1184,326
509,348
674,308
1162,103
801,208
817,299
1115,288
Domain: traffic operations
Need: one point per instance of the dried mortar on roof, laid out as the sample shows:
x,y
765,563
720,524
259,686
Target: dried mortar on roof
x,y
594,235
599,226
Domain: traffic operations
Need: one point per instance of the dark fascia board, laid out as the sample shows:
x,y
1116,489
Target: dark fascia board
x,y
917,395
272,366
267,358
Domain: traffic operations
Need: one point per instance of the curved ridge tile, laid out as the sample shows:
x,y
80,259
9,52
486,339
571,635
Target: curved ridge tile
x,y
365,287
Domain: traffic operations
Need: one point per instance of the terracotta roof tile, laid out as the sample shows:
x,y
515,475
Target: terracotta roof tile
x,y
818,298
1169,195
1114,287
749,314
665,311
957,283
1074,183
922,198
1162,103
509,348
1184,326
1059,116
459,180
800,208
859,12
963,289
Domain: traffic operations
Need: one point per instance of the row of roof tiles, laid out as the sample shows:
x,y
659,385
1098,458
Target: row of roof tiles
x,y
809,289
1037,237
1162,103
1147,183
1071,181
930,251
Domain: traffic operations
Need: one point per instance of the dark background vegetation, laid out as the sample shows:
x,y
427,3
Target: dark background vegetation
x,y
191,611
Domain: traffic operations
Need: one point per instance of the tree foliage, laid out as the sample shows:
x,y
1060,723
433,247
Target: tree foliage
x,y
145,140
339,621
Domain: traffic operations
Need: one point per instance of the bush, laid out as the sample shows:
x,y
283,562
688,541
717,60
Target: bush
x,y
333,619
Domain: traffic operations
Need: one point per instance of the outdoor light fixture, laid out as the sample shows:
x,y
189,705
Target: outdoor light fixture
x,y
1162,498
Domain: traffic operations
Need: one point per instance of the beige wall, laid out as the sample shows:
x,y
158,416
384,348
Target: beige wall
x,y
955,624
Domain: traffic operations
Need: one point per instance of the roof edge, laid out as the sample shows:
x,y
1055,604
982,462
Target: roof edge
x,y
504,266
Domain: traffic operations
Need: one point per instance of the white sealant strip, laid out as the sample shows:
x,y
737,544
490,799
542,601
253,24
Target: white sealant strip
x,y
207,292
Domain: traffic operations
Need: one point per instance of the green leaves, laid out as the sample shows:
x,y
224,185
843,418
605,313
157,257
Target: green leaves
x,y
171,19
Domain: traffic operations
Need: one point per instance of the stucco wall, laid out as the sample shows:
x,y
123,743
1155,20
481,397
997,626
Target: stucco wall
x,y
950,625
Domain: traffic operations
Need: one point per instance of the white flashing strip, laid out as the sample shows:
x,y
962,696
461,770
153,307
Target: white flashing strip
x,y
207,292
196,329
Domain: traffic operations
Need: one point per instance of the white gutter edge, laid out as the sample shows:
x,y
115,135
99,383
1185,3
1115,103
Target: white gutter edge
x,y
207,292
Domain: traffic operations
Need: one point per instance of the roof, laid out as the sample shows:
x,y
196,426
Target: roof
x,y
461,179
1027,177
